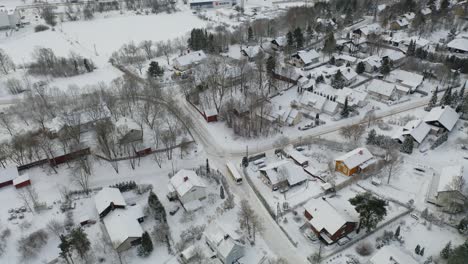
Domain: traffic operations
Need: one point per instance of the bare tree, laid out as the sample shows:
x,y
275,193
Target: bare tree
x,y
56,227
456,184
249,220
147,47
29,197
6,63
6,122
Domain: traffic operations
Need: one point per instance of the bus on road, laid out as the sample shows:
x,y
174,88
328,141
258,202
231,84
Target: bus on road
x,y
234,173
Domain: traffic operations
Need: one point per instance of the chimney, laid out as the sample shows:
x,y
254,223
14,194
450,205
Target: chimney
x,y
185,178
360,152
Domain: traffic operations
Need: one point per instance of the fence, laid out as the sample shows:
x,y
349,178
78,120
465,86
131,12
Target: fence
x,y
56,160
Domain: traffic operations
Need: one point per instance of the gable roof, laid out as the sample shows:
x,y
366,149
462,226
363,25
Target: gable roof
x,y
21,179
356,157
417,129
307,56
251,51
392,255
374,61
280,41
327,216
446,116
381,87
313,100
121,225
106,196
224,242
8,173
193,57
184,180
459,44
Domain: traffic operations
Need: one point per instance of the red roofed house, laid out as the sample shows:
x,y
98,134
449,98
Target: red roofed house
x,y
330,221
7,175
354,161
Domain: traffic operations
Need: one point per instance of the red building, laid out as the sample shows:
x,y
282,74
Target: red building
x,y
211,115
7,175
330,221
22,181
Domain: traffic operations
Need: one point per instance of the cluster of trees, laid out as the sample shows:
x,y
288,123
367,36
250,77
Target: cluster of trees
x,y
6,63
249,220
371,210
76,241
457,255
295,39
47,63
29,246
451,61
218,41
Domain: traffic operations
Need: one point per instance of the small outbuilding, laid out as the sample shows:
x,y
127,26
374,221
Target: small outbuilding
x,y
7,175
354,161
22,181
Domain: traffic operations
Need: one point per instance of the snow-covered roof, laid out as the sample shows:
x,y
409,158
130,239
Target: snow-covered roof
x,y
184,180
347,58
356,157
426,11
284,170
313,100
374,61
348,73
407,78
217,236
8,173
211,112
447,176
420,42
329,217
394,55
280,41
121,225
307,56
128,123
372,28
252,51
446,116
417,129
193,57
381,7
21,179
381,87
459,44
409,15
355,97
390,254
106,196
296,155
402,22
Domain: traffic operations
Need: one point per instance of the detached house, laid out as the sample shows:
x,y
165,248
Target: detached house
x,y
107,200
390,254
452,195
188,188
416,129
372,63
319,104
251,52
304,58
279,43
283,174
329,220
354,161
442,118
188,60
224,245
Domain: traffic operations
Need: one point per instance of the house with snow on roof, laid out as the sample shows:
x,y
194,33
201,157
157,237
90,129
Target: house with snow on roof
x,y
297,156
354,161
304,58
365,31
188,188
123,227
452,193
108,199
283,174
330,220
130,132
417,130
251,52
442,118
372,63
279,43
7,175
225,245
390,254
318,104
459,44
385,91
188,60
407,79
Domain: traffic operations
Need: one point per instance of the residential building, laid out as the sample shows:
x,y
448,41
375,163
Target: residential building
x,y
188,60
251,52
297,156
399,23
319,104
130,131
283,174
372,63
225,245
206,4
279,43
108,199
188,188
9,18
416,129
7,175
304,58
382,90
407,79
123,228
330,220
458,45
365,31
451,193
390,254
443,118
354,161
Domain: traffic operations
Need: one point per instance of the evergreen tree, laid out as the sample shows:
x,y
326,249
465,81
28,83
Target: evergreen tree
x,y
290,39
407,146
329,44
411,49
444,4
397,232
417,249
338,81
421,252
156,207
360,67
221,192
146,246
464,105
250,35
87,65
345,111
386,67
463,226
332,60
298,37
446,251
80,242
424,213
154,70
65,248
207,167
371,137
447,97
371,209
459,255
271,65
433,101
309,33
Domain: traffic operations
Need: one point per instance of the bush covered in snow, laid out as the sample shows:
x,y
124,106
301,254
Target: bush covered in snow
x,y
40,28
30,245
364,248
